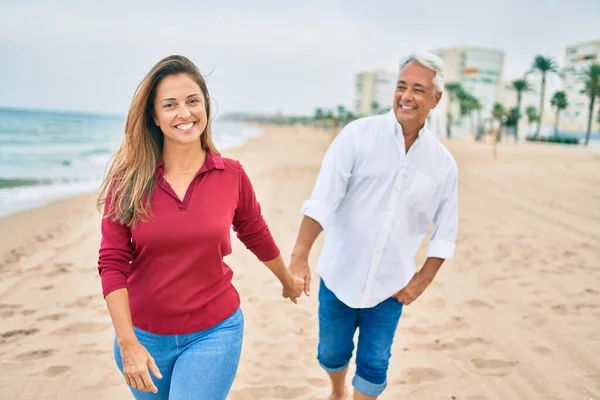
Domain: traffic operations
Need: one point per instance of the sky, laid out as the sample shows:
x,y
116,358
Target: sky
x,y
259,56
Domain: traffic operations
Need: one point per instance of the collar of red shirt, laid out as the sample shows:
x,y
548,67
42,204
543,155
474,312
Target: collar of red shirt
x,y
212,161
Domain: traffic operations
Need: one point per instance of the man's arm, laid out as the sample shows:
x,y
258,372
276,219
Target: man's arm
x,y
308,233
441,244
328,192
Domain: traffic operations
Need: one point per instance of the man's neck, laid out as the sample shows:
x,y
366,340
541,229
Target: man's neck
x,y
410,133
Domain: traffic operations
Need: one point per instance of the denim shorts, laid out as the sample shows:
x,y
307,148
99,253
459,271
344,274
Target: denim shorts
x,y
376,326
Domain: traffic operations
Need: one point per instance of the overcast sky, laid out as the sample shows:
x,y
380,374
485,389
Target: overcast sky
x,y
259,56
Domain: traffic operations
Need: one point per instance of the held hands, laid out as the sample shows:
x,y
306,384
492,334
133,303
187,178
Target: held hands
x,y
136,362
299,270
292,288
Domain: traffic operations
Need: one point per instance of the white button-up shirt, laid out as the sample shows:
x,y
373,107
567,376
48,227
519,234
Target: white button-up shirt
x,y
375,202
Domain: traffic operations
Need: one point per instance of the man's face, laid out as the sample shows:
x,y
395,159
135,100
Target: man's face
x,y
415,95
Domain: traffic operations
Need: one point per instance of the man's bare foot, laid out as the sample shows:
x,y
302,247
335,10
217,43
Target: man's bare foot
x,y
337,396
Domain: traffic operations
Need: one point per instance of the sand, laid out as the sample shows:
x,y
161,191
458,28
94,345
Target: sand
x,y
515,315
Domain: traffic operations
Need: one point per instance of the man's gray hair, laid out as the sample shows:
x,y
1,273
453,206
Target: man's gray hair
x,y
428,60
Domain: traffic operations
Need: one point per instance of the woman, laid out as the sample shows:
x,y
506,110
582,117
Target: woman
x,y
169,203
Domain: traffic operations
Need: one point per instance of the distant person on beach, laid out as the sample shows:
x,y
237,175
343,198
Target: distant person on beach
x,y
383,181
169,202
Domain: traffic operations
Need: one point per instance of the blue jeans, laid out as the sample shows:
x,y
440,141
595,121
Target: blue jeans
x,y
199,365
376,325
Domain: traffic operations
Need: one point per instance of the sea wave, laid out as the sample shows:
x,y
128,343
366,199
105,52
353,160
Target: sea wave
x,y
38,172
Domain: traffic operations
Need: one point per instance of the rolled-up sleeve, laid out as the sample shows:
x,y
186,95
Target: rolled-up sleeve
x,y
332,181
442,243
249,224
115,255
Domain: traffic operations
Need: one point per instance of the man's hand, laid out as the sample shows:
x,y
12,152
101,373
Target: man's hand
x,y
413,290
292,288
419,281
300,269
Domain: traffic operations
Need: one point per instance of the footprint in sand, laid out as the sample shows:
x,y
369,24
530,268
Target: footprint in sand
x,y
452,324
83,301
94,352
542,350
52,317
419,375
478,303
493,367
9,306
536,320
56,370
82,327
560,309
18,333
35,355
60,268
459,343
47,287
6,314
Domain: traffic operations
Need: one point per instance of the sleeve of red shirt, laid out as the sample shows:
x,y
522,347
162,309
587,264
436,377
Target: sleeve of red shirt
x,y
115,255
249,224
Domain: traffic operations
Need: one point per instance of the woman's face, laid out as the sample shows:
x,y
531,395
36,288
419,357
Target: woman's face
x,y
180,109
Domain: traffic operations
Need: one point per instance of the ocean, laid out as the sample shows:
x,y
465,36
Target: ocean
x,y
48,155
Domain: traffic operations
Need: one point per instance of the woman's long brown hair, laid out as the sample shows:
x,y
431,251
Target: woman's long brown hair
x,y
127,188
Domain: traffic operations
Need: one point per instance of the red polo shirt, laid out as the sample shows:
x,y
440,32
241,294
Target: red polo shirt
x,y
173,265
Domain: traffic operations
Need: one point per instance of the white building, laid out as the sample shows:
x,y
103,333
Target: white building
x,y
578,57
374,88
479,70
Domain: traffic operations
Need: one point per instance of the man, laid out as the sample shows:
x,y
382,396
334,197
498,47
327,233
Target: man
x,y
384,180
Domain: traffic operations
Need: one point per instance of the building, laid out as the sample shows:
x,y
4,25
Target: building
x,y
374,91
479,71
578,57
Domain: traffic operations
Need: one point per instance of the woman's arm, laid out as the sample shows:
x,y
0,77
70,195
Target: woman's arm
x,y
114,266
136,359
252,230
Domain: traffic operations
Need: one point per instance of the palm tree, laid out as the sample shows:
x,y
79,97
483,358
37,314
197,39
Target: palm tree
x,y
520,86
499,112
532,115
543,65
318,114
591,79
453,88
341,115
560,102
468,104
375,107
477,107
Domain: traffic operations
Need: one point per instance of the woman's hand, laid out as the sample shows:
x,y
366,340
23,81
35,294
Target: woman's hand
x,y
136,362
292,287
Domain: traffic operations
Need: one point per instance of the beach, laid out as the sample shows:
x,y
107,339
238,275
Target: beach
x,y
514,315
